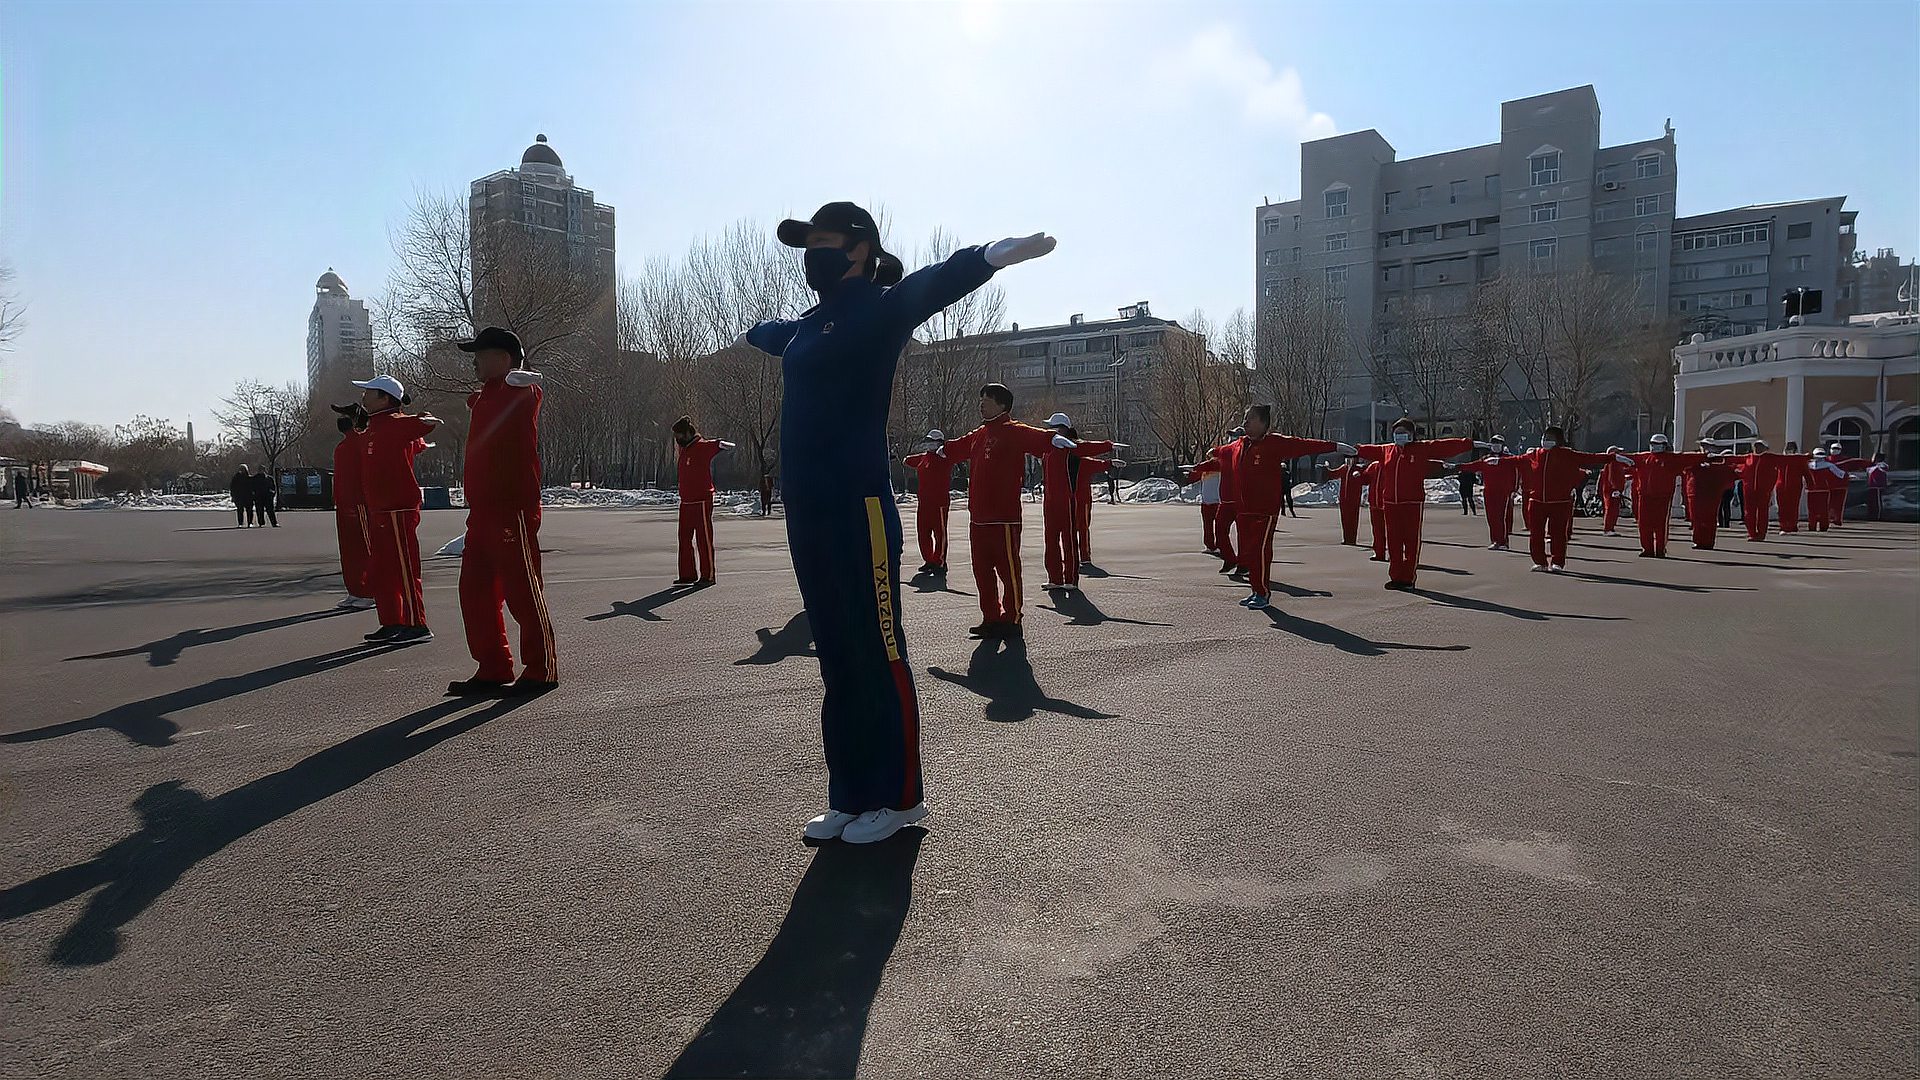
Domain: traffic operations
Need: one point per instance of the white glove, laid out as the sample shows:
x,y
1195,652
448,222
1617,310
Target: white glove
x,y
1478,445
1018,249
940,451
1623,459
523,378
1121,445
725,445
430,418
1347,449
1064,443
1493,459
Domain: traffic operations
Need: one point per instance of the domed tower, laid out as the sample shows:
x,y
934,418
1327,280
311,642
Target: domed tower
x,y
339,341
330,284
539,201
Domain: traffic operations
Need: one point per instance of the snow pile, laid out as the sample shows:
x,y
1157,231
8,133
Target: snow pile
x,y
604,498
1327,494
1154,489
452,549
174,502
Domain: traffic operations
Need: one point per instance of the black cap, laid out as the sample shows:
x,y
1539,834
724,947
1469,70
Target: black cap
x,y
496,337
857,224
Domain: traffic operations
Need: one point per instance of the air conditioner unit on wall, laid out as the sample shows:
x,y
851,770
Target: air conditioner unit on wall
x,y
1611,185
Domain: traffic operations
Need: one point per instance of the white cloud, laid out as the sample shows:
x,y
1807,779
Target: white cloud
x,y
1221,60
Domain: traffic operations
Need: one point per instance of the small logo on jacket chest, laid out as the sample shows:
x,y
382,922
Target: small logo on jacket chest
x,y
827,329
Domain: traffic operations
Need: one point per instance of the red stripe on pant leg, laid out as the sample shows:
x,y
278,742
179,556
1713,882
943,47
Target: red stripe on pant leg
x,y
909,734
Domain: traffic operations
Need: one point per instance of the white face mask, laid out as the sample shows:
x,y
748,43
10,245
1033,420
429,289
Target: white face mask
x,y
1548,444
1661,448
1401,438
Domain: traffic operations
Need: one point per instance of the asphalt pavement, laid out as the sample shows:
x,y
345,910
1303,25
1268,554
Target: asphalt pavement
x,y
1647,818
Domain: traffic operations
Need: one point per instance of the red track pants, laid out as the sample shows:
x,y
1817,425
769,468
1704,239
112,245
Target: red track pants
x,y
996,570
1209,514
1654,518
1499,507
1349,523
1610,504
1083,520
1063,544
1256,550
1223,531
1819,509
501,565
1706,525
1753,509
696,539
393,566
1379,519
931,519
351,526
1551,520
1789,498
1403,540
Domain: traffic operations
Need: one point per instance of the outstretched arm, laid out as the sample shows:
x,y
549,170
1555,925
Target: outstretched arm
x,y
772,336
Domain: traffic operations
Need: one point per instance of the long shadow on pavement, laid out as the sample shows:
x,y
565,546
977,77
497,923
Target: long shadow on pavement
x,y
1475,604
166,650
802,1011
146,721
1668,585
1082,611
645,607
1089,570
999,671
180,828
791,640
932,583
181,586
1343,640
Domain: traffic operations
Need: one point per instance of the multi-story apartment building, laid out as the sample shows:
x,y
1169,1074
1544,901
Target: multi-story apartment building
x,y
1886,284
339,341
541,200
1730,268
1380,236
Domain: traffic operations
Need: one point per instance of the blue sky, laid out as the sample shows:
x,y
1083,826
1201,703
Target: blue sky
x,y
176,175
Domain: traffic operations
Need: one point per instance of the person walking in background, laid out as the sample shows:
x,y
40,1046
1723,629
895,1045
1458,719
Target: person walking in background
x,y
264,496
1286,490
393,440
350,506
695,466
20,498
1466,480
500,563
933,501
240,489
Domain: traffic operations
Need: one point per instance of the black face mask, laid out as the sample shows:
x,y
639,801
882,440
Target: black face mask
x,y
825,268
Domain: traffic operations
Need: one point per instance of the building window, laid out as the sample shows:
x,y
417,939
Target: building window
x,y
1034,348
1733,236
1605,211
1738,433
1296,254
1493,187
1546,211
1423,235
1456,191
1386,202
1392,275
1541,252
1423,195
1646,206
1646,166
1337,277
1272,225
1849,432
1800,263
1453,230
1140,341
1544,168
1645,242
1387,239
1800,230
1270,258
1337,203
1337,241
1743,269
1604,247
1906,444
1072,348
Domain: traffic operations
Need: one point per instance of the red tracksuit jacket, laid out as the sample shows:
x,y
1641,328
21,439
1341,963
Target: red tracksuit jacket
x,y
1058,486
1089,470
996,453
1260,468
502,473
696,470
1500,474
1227,458
393,439
349,465
1350,483
1613,477
936,477
1557,472
1403,469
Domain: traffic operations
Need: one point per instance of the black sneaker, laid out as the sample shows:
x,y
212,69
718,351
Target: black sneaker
x,y
940,570
1226,568
477,688
412,635
531,688
985,629
684,580
385,633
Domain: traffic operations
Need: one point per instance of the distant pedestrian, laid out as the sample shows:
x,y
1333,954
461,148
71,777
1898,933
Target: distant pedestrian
x,y
1876,486
20,498
1286,490
1467,505
240,489
263,496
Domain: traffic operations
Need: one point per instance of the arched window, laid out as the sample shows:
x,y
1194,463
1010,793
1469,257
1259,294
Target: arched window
x,y
1737,432
1906,444
1849,431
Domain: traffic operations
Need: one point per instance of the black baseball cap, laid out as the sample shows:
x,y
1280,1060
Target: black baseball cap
x,y
496,337
844,217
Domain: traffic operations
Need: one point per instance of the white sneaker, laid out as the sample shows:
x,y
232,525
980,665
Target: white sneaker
x,y
1610,532
877,825
364,603
1555,569
828,826
348,603
1069,590
1493,547
1051,586
1536,568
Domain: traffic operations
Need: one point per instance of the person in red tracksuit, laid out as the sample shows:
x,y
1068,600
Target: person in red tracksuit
x,y
1557,472
1089,469
350,506
1376,511
1756,471
1614,479
1500,474
1655,473
996,454
1348,473
696,502
1060,503
1827,486
393,440
1403,478
1837,507
933,500
500,563
1262,465
1207,475
1710,482
1223,460
1789,483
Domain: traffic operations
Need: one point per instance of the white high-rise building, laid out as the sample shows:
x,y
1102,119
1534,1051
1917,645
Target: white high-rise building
x,y
339,341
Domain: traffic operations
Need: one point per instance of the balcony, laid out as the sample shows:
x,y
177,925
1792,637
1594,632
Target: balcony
x,y
1887,339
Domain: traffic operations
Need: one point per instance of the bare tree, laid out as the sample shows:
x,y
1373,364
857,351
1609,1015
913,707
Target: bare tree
x,y
1192,395
1418,359
946,364
1567,334
273,419
10,310
1648,369
146,454
1302,351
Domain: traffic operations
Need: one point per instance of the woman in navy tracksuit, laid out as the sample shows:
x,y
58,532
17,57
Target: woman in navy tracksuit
x,y
843,530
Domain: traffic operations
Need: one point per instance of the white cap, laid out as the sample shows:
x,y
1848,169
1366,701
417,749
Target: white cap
x,y
1835,446
1059,419
936,435
1818,452
386,384
1658,438
1498,439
